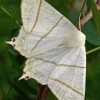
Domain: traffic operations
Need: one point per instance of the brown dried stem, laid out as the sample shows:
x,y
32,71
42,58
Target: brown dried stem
x,y
88,16
43,92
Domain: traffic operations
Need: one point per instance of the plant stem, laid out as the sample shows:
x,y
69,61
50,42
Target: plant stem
x,y
93,50
83,6
43,92
10,15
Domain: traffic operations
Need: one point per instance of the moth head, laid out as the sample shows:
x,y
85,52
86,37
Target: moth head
x,y
12,42
17,43
25,76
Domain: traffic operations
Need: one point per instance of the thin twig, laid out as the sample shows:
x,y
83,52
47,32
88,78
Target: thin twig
x,y
88,16
10,15
83,6
43,92
91,51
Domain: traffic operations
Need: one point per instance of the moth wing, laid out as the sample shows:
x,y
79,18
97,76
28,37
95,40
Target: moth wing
x,y
30,45
40,18
67,80
41,66
47,28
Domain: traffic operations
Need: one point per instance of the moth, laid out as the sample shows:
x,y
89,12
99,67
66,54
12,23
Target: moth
x,y
54,49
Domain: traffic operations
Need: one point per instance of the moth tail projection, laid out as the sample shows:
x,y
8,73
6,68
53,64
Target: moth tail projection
x,y
37,69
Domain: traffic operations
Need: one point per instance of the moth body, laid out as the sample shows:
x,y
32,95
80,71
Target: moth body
x,y
75,40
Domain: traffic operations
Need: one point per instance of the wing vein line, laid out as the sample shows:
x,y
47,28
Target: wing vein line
x,y
75,73
68,86
37,17
57,64
46,34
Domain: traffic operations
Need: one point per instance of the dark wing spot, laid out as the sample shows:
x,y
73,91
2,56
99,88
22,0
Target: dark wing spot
x,y
13,39
27,77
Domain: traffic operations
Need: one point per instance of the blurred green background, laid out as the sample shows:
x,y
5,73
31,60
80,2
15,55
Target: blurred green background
x,y
11,63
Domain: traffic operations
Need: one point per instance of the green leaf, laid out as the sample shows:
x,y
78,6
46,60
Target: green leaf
x,y
13,10
12,13
14,33
6,26
96,16
2,94
4,2
91,33
74,17
24,89
15,2
3,14
22,93
88,5
93,73
11,50
51,96
4,73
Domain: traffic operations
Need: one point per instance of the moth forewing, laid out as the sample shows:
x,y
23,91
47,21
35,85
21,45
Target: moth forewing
x,y
39,18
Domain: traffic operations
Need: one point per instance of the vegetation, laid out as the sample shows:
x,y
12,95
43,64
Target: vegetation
x,y
12,63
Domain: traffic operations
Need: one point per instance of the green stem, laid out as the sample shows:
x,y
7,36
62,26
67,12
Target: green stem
x,y
83,6
10,15
93,50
